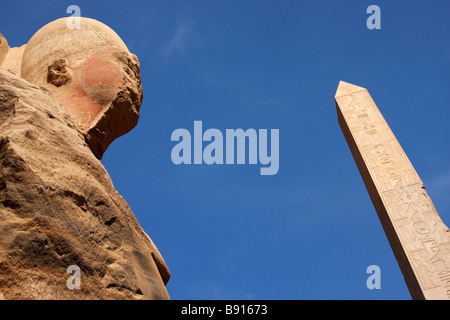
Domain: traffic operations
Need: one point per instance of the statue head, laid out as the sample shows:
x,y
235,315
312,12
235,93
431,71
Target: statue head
x,y
92,73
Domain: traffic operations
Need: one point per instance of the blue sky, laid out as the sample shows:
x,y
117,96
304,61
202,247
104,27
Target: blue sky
x,y
310,231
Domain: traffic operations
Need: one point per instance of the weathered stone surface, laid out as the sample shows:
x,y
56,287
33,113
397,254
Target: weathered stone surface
x,y
58,207
64,97
57,73
10,58
418,237
4,48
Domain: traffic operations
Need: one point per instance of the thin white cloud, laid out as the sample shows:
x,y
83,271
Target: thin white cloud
x,y
267,103
438,189
275,103
182,38
219,291
442,180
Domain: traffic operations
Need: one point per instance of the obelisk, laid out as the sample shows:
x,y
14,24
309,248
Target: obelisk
x,y
417,235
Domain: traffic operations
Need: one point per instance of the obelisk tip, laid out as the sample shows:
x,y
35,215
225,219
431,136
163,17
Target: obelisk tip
x,y
345,88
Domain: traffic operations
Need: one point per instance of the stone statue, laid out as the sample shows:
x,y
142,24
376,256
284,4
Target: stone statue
x,y
90,71
64,97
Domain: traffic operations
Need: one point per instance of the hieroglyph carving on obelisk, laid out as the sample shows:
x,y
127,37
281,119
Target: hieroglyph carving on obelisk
x,y
418,237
